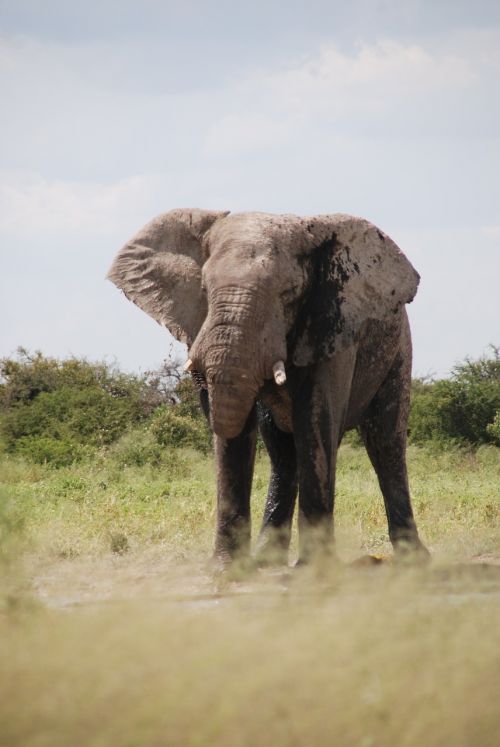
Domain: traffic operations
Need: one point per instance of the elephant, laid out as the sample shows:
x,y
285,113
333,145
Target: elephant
x,y
296,326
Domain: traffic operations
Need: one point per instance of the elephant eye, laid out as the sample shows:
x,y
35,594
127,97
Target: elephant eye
x,y
290,294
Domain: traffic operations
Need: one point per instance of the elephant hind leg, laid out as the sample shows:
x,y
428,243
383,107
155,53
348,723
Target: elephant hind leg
x,y
275,533
383,429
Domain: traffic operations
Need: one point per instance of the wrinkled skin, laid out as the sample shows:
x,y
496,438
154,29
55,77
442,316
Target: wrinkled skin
x,y
327,296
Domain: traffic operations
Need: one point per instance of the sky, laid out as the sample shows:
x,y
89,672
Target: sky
x,y
116,111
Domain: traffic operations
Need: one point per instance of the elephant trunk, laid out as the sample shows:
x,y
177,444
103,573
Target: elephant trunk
x,y
229,409
233,381
236,350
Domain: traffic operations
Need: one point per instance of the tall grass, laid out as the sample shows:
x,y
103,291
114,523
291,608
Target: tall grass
x,y
115,633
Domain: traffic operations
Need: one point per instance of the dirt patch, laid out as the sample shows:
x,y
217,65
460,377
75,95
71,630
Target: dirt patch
x,y
151,576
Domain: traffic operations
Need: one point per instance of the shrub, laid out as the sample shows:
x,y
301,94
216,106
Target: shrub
x,y
86,416
72,418
188,400
59,411
170,428
23,378
41,449
56,411
493,429
463,408
136,448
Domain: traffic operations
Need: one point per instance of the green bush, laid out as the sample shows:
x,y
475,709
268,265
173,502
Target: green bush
x,y
493,429
170,428
23,378
86,416
56,411
136,448
461,409
188,400
61,411
55,426
57,451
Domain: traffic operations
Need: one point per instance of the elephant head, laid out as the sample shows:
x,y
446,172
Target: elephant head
x,y
250,292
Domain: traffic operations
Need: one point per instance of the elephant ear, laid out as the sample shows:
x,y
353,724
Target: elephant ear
x,y
159,269
357,274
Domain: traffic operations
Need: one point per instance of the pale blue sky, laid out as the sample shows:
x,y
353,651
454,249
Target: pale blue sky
x,y
115,111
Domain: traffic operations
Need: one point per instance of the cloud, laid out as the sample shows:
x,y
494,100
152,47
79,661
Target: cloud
x,y
374,69
31,206
98,111
492,233
384,89
84,149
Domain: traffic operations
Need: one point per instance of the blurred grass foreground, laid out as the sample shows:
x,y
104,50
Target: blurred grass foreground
x,y
114,631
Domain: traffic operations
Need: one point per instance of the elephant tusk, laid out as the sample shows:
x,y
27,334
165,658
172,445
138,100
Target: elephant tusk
x,y
279,373
188,365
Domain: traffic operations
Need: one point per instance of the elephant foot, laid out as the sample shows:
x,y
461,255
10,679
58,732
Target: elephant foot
x,y
272,549
232,568
321,561
410,551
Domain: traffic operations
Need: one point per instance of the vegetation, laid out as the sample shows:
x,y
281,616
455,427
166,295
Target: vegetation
x,y
115,631
61,412
74,511
64,411
462,409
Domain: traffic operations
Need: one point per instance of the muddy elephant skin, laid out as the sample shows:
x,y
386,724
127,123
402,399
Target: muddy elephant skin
x,y
296,326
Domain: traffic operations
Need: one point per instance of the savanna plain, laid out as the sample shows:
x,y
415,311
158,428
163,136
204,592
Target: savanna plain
x,y
116,631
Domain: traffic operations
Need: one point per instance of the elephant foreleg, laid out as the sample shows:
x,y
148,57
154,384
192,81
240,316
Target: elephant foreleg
x,y
234,461
316,439
274,539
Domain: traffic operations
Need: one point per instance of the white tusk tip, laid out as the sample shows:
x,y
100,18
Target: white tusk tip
x,y
279,373
188,365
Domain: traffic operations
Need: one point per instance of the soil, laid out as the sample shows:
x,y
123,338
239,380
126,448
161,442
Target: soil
x,y
77,582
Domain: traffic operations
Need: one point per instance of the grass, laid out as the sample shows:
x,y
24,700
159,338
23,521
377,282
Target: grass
x,y
114,632
84,509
